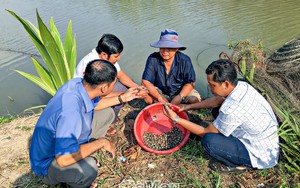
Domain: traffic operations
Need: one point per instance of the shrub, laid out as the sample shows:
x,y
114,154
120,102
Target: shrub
x,y
59,58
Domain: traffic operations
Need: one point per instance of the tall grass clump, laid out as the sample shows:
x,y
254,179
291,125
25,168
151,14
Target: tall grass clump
x,y
6,119
59,58
247,57
289,131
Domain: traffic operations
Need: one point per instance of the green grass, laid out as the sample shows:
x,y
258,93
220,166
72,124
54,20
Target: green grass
x,y
24,128
289,131
215,179
6,119
190,179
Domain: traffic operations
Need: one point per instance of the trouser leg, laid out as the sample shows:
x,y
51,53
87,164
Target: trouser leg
x,y
118,88
80,174
101,121
228,150
215,112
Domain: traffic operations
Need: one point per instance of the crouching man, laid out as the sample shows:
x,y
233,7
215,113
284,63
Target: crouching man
x,y
244,134
60,150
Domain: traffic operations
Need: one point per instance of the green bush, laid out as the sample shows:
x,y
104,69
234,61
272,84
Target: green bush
x,y
6,119
289,131
59,58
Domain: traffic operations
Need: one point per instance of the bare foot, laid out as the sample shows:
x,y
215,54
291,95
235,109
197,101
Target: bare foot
x,y
94,184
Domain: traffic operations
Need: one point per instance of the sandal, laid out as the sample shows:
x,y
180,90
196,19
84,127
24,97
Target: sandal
x,y
98,163
112,130
219,167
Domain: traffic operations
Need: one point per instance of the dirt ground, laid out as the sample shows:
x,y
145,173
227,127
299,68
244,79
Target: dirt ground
x,y
14,161
187,167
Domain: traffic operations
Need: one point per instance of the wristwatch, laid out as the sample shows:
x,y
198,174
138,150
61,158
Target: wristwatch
x,y
176,119
182,97
120,99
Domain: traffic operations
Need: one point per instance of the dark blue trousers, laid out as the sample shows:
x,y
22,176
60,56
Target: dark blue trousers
x,y
229,150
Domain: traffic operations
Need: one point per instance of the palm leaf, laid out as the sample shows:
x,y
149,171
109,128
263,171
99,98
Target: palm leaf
x,y
70,48
38,44
72,61
37,81
54,52
56,36
35,107
44,74
37,31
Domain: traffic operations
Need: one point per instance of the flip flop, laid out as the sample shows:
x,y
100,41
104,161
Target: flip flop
x,y
98,163
219,167
112,130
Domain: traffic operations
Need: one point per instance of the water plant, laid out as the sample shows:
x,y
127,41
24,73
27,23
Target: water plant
x,y
247,56
59,58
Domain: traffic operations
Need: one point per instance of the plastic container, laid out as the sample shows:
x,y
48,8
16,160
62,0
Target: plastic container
x,y
152,119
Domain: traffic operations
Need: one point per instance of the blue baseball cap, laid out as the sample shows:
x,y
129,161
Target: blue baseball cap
x,y
168,39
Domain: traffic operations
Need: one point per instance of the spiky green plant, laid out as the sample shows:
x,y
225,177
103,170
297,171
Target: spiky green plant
x,y
247,56
248,76
59,58
289,131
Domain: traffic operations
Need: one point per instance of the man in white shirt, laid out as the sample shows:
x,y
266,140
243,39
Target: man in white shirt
x,y
109,48
244,134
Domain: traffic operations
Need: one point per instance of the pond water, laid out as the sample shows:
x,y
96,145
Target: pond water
x,y
205,27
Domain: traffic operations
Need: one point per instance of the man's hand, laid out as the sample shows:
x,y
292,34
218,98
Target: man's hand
x,y
168,111
108,146
142,91
176,100
131,93
184,107
163,99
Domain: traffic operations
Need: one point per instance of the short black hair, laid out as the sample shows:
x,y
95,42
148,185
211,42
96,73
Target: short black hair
x,y
99,72
109,44
222,70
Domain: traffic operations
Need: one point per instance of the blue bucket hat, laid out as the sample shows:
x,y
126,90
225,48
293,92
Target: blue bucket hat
x,y
168,39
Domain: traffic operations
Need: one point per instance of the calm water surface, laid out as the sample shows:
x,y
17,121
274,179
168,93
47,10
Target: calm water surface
x,y
205,27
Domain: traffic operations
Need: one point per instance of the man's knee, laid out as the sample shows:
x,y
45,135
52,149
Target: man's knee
x,y
88,174
207,140
104,115
101,121
193,100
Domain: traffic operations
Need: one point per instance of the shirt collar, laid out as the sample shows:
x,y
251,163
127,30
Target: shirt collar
x,y
95,53
88,103
175,60
237,92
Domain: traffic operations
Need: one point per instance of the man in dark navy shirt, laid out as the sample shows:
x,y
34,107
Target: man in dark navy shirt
x,y
169,74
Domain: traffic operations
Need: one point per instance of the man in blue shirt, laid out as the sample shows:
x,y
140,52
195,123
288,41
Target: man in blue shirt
x,y
169,74
60,150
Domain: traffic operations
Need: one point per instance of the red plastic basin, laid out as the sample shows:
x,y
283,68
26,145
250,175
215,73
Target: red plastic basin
x,y
152,119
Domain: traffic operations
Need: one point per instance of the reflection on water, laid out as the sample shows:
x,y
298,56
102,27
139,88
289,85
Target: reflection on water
x,y
205,27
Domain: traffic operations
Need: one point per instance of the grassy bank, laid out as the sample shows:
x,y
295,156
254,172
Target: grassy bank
x,y
187,167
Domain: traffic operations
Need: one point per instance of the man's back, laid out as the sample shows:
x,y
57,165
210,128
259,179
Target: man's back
x,y
64,124
246,115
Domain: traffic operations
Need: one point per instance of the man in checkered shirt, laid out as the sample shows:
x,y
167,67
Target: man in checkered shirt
x,y
244,133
